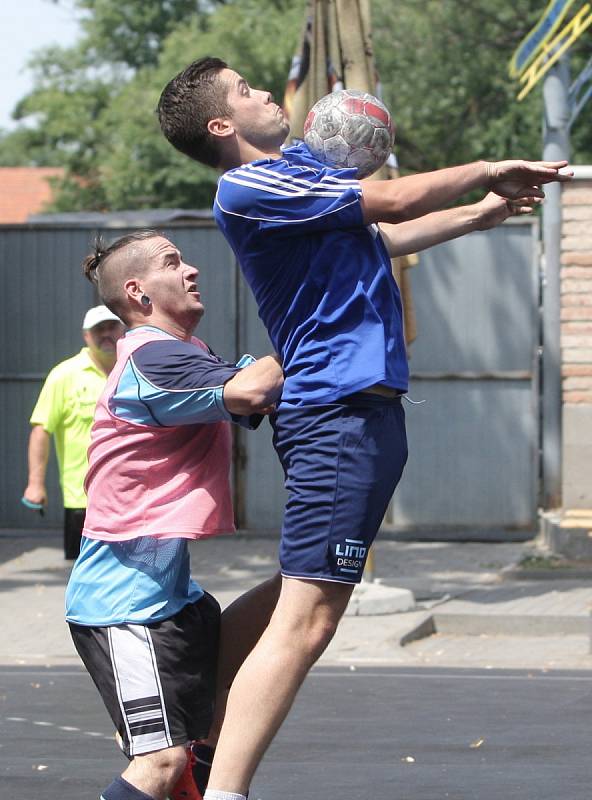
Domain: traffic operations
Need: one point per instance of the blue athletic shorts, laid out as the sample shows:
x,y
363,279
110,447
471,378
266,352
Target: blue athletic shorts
x,y
342,463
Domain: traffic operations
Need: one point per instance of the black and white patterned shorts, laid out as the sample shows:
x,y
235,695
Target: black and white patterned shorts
x,y
157,681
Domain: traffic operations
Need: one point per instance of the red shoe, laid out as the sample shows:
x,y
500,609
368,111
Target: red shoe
x,y
185,788
201,765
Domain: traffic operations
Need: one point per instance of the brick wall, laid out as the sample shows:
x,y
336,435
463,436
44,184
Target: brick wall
x,y
576,289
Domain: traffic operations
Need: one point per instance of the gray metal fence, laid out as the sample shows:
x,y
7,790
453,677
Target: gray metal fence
x,y
473,444
43,297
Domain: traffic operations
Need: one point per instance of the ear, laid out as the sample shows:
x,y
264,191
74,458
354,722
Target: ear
x,y
133,290
221,127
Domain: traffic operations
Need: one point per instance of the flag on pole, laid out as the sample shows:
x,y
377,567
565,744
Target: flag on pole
x,y
335,52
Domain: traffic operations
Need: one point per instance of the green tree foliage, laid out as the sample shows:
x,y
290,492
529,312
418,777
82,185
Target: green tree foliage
x,y
92,109
443,65
132,32
139,167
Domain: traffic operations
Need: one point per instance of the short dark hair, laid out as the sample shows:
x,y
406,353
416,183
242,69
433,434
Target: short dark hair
x,y
188,102
109,279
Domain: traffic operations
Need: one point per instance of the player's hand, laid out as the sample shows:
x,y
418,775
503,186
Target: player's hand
x,y
493,209
516,179
36,495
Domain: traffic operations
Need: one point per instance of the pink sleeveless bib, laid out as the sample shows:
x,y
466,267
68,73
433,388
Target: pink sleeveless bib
x,y
154,481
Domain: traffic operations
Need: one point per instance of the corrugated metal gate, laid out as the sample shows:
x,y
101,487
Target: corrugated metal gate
x,y
474,450
473,444
43,297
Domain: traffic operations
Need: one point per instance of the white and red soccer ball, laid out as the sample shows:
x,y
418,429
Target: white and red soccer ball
x,y
348,128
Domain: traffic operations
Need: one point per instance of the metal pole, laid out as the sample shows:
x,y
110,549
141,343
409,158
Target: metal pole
x,y
555,148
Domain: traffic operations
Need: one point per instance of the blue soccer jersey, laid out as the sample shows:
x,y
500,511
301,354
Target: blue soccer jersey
x,y
321,278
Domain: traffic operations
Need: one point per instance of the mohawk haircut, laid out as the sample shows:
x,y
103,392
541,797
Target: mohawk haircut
x,y
187,104
103,268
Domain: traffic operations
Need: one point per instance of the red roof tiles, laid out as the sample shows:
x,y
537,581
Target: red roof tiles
x,y
24,191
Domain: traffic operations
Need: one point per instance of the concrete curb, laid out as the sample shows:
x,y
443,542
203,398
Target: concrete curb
x,y
373,599
558,574
510,625
523,626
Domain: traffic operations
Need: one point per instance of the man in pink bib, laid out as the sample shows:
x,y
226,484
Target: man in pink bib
x,y
158,476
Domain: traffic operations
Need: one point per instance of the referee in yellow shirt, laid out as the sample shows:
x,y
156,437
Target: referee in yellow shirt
x,y
65,410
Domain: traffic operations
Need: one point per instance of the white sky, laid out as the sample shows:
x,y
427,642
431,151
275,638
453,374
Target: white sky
x,y
25,26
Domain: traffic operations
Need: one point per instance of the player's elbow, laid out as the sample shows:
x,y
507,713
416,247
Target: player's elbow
x,y
386,209
399,210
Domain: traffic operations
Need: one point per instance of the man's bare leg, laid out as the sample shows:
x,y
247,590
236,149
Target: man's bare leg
x,y
301,627
242,624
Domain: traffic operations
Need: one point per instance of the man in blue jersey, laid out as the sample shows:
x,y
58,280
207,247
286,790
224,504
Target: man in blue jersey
x,y
307,239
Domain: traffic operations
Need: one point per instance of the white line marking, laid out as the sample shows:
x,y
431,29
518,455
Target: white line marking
x,y
533,676
67,728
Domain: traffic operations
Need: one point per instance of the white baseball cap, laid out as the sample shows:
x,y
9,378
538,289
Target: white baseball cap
x,y
94,316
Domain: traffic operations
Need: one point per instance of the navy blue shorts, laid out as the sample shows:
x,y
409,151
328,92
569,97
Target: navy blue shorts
x,y
342,463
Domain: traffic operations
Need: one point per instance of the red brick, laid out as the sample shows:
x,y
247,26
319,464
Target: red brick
x,y
575,285
574,258
573,299
577,397
577,273
578,242
577,195
576,355
568,370
571,340
576,327
576,313
580,383
576,227
570,213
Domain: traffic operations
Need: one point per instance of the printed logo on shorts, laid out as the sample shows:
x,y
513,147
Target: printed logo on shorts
x,y
349,557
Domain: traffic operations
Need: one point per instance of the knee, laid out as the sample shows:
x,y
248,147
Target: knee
x,y
322,631
318,633
308,614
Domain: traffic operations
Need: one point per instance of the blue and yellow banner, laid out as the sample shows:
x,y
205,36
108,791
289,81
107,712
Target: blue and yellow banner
x,y
532,44
552,50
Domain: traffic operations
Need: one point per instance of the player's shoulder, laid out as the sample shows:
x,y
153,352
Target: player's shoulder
x,y
269,174
163,351
296,176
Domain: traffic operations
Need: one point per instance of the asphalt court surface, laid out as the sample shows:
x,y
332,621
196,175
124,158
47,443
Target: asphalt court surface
x,y
353,734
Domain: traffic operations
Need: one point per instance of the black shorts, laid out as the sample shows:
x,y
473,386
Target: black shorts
x,y
73,525
157,681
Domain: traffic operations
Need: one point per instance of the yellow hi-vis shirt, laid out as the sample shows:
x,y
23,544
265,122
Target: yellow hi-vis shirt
x,y
66,408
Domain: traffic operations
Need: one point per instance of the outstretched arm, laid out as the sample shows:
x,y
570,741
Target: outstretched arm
x,y
441,226
414,196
